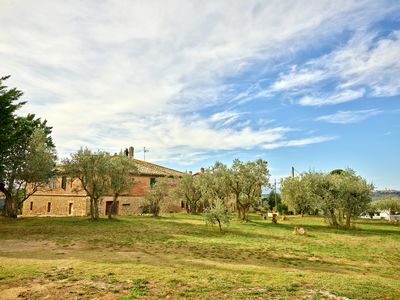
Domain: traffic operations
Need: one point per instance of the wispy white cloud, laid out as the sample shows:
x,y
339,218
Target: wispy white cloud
x,y
174,138
346,117
297,79
298,142
332,98
225,117
117,73
366,65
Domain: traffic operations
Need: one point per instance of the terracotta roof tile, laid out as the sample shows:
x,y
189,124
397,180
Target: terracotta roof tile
x,y
146,168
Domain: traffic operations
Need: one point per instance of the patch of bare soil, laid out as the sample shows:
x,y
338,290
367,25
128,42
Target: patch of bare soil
x,y
324,295
64,283
24,245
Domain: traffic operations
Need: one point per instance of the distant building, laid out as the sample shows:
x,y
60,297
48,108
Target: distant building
x,y
382,215
65,197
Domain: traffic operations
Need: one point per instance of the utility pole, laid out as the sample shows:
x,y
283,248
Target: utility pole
x,y
292,172
276,204
144,153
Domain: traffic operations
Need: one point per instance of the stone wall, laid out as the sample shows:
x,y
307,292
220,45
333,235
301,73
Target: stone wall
x,y
70,200
127,205
55,205
130,205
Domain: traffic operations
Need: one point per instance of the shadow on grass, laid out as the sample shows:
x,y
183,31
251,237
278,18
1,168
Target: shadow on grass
x,y
325,228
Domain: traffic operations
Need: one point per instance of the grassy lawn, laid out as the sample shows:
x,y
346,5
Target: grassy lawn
x,y
176,256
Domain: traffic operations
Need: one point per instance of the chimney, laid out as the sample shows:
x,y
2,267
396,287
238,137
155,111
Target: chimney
x,y
131,152
202,170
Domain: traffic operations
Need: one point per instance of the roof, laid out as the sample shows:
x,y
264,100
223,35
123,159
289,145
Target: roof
x,y
146,168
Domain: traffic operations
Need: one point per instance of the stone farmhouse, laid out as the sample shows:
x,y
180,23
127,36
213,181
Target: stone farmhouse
x,y
65,197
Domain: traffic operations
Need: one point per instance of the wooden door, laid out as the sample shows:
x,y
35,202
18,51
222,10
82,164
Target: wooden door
x,y
108,207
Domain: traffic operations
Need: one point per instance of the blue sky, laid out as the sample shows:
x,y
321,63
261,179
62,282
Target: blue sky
x,y
314,85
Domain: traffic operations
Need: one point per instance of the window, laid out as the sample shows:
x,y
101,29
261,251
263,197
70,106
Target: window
x,y
64,182
54,183
70,208
153,181
31,207
182,204
48,206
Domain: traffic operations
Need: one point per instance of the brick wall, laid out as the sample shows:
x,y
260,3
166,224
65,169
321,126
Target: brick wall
x,y
141,184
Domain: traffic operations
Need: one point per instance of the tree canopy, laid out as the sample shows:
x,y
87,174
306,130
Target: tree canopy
x,y
121,169
242,182
27,152
339,194
391,204
93,171
157,194
189,189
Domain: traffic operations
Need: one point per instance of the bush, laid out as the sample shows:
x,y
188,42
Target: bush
x,y
218,213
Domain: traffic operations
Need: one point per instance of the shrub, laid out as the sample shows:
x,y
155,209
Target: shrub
x,y
218,213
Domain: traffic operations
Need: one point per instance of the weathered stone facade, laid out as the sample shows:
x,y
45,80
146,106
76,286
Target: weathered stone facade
x,y
55,205
65,197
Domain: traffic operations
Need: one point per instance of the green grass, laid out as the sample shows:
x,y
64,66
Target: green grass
x,y
176,256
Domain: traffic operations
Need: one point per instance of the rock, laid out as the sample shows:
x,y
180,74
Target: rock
x,y
299,230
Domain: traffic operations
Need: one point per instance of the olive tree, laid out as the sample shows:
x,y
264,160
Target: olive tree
x,y
353,193
217,213
121,168
93,169
295,195
189,189
339,195
214,184
246,181
156,195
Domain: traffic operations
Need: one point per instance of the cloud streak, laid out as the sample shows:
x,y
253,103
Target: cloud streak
x,y
161,74
298,142
366,65
347,117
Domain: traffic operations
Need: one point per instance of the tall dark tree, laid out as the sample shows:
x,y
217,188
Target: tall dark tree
x,y
9,104
273,202
27,154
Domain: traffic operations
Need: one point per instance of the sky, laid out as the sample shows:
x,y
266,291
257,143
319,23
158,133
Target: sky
x,y
309,84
